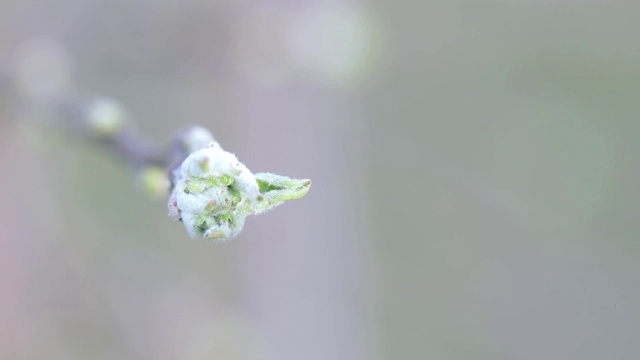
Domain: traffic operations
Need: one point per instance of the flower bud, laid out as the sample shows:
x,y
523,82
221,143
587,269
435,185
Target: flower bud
x,y
214,193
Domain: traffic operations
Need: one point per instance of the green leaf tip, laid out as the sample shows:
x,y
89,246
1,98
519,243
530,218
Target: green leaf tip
x,y
276,189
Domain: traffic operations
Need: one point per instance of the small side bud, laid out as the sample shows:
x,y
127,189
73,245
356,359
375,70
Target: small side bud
x,y
154,181
196,138
105,117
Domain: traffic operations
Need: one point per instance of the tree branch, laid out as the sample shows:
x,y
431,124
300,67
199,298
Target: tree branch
x,y
211,191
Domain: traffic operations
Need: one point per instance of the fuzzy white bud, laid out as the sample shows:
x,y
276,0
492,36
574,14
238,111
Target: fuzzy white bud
x,y
214,192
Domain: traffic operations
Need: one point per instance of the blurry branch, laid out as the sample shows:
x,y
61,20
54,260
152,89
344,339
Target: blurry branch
x,y
211,192
106,121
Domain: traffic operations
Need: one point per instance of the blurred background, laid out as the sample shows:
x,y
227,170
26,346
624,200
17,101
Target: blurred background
x,y
475,180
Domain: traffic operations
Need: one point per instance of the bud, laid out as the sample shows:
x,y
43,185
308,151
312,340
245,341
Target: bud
x,y
195,138
154,181
214,193
105,117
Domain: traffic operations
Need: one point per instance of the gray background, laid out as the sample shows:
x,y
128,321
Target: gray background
x,y
475,181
